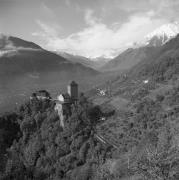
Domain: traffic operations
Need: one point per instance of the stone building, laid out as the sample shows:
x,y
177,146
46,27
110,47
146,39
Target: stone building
x,y
41,95
65,101
72,90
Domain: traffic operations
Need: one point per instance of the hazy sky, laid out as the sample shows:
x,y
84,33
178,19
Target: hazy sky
x,y
86,27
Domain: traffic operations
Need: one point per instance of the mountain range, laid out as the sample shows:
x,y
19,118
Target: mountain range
x,y
28,57
160,65
130,57
156,69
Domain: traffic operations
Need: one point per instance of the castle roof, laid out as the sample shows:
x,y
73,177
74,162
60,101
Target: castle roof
x,y
66,96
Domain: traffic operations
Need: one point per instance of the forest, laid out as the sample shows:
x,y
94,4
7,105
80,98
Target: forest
x,y
35,146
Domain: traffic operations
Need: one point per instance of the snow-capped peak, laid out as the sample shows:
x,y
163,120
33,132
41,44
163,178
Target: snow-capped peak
x,y
163,34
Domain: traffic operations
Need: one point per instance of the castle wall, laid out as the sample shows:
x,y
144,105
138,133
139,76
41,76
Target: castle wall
x,y
59,109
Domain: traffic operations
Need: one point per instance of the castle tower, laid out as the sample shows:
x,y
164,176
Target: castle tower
x,y
73,90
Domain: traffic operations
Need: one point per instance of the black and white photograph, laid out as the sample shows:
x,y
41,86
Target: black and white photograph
x,y
89,89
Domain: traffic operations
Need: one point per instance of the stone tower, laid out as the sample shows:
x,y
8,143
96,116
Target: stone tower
x,y
73,90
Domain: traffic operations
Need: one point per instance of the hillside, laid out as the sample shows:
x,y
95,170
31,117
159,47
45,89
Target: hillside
x,y
129,58
146,101
163,65
39,61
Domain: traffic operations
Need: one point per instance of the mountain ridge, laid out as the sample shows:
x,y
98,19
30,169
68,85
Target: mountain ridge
x,y
24,56
11,42
130,57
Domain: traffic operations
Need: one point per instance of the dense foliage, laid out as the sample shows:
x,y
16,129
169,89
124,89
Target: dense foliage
x,y
46,151
9,130
164,69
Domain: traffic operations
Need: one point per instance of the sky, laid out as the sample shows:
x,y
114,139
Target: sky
x,y
90,28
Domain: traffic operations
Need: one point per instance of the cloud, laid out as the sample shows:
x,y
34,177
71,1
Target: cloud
x,y
5,43
167,9
68,3
90,19
99,39
49,32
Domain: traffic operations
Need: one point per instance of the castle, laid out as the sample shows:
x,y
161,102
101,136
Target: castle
x,y
65,101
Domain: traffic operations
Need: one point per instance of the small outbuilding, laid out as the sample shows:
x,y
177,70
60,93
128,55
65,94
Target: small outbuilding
x,y
40,95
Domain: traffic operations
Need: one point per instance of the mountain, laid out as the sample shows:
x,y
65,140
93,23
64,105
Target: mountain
x,y
10,42
157,71
162,65
128,59
156,74
22,57
162,34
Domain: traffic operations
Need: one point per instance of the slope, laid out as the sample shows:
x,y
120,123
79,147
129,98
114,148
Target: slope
x,y
128,59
